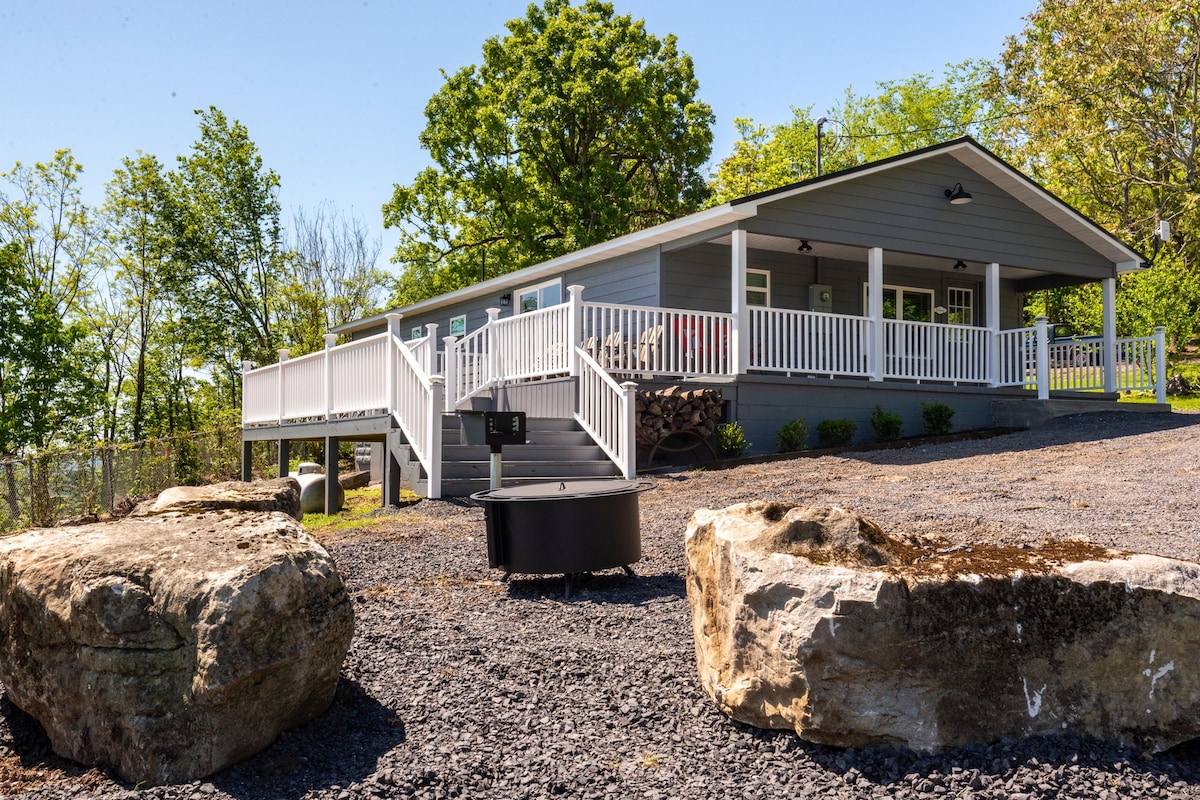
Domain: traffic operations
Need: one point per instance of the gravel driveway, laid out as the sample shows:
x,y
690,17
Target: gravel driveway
x,y
458,685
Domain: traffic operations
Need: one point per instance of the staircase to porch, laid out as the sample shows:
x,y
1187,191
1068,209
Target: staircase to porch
x,y
555,449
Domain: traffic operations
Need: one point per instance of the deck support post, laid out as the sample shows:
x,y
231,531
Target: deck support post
x,y
284,459
1110,333
739,338
1043,358
247,460
875,311
392,472
991,300
331,474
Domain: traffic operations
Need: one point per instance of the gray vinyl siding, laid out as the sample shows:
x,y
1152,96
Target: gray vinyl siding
x,y
631,279
697,278
905,209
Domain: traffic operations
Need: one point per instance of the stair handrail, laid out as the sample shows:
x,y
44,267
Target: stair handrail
x,y
606,411
416,403
470,367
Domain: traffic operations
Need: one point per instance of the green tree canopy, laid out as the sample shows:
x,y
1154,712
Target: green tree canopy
x,y
1107,106
901,116
579,126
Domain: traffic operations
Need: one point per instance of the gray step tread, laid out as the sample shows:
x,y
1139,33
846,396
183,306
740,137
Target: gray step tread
x,y
549,438
524,452
545,470
461,487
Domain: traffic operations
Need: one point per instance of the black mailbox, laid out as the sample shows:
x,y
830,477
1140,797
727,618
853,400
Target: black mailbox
x,y
493,427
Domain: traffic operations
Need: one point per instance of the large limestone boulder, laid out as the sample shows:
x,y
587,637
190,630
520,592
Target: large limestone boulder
x,y
814,619
172,644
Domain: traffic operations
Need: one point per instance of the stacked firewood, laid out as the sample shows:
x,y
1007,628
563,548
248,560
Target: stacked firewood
x,y
664,412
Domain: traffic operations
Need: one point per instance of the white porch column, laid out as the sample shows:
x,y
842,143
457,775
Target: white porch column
x,y
739,340
875,310
1110,334
628,435
431,350
574,327
991,318
1043,358
433,442
1160,365
283,357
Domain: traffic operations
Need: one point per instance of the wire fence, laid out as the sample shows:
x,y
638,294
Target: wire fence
x,y
47,488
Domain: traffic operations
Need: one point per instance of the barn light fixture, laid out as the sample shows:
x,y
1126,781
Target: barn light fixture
x,y
959,264
804,246
958,195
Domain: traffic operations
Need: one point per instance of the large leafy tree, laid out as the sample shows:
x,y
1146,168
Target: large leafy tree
x,y
579,126
1106,102
228,257
900,116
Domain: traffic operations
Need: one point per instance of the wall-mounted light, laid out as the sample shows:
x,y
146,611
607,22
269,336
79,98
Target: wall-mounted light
x,y
959,264
958,195
505,299
804,246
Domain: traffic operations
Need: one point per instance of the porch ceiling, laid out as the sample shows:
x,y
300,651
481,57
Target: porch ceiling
x,y
892,258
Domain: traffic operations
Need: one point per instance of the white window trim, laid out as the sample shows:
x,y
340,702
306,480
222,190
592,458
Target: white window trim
x,y
536,287
417,333
900,290
462,319
969,307
763,289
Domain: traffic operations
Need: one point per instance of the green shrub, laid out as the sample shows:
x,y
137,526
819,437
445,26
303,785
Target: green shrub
x,y
792,436
836,432
939,418
730,440
887,424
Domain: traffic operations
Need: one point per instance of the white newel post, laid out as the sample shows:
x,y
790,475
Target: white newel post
x,y
629,429
437,392
493,356
875,310
430,365
246,367
393,329
451,387
330,341
1110,333
991,299
574,327
283,357
1043,358
1160,364
739,339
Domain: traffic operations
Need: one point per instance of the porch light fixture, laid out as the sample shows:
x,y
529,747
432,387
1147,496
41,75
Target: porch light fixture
x,y
958,195
804,246
959,264
505,299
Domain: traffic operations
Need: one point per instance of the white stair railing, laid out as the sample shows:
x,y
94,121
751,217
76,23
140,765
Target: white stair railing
x,y
606,412
417,401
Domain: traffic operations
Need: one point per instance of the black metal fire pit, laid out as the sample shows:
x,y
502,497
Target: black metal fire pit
x,y
564,527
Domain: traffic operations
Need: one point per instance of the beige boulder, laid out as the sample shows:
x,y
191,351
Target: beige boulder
x,y
172,644
814,619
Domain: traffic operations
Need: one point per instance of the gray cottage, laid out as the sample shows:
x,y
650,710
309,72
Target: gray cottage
x,y
894,284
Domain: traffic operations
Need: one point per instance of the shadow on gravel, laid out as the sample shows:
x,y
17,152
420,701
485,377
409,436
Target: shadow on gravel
x,y
613,587
338,748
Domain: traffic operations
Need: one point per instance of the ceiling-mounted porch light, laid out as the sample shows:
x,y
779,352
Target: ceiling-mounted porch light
x,y
959,264
958,195
804,246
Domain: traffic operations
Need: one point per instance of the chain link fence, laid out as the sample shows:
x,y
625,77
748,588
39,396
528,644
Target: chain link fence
x,y
47,488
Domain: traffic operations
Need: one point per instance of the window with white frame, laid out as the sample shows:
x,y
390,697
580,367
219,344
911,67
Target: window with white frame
x,y
417,332
458,325
543,295
758,287
958,306
903,303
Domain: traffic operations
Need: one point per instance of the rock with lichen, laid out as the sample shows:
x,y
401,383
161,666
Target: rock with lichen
x,y
174,643
813,619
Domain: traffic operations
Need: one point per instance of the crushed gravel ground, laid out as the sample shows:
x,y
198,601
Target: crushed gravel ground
x,y
459,685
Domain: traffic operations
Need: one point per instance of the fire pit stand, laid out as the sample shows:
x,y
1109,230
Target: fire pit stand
x,y
564,527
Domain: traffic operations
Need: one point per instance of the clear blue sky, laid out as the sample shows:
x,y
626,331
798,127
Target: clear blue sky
x,y
334,93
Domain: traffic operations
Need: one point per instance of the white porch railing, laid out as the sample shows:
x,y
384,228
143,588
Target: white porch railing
x,y
606,412
809,342
1016,354
644,340
530,345
933,351
358,377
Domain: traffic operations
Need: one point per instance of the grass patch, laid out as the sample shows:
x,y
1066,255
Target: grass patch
x,y
1178,402
358,512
